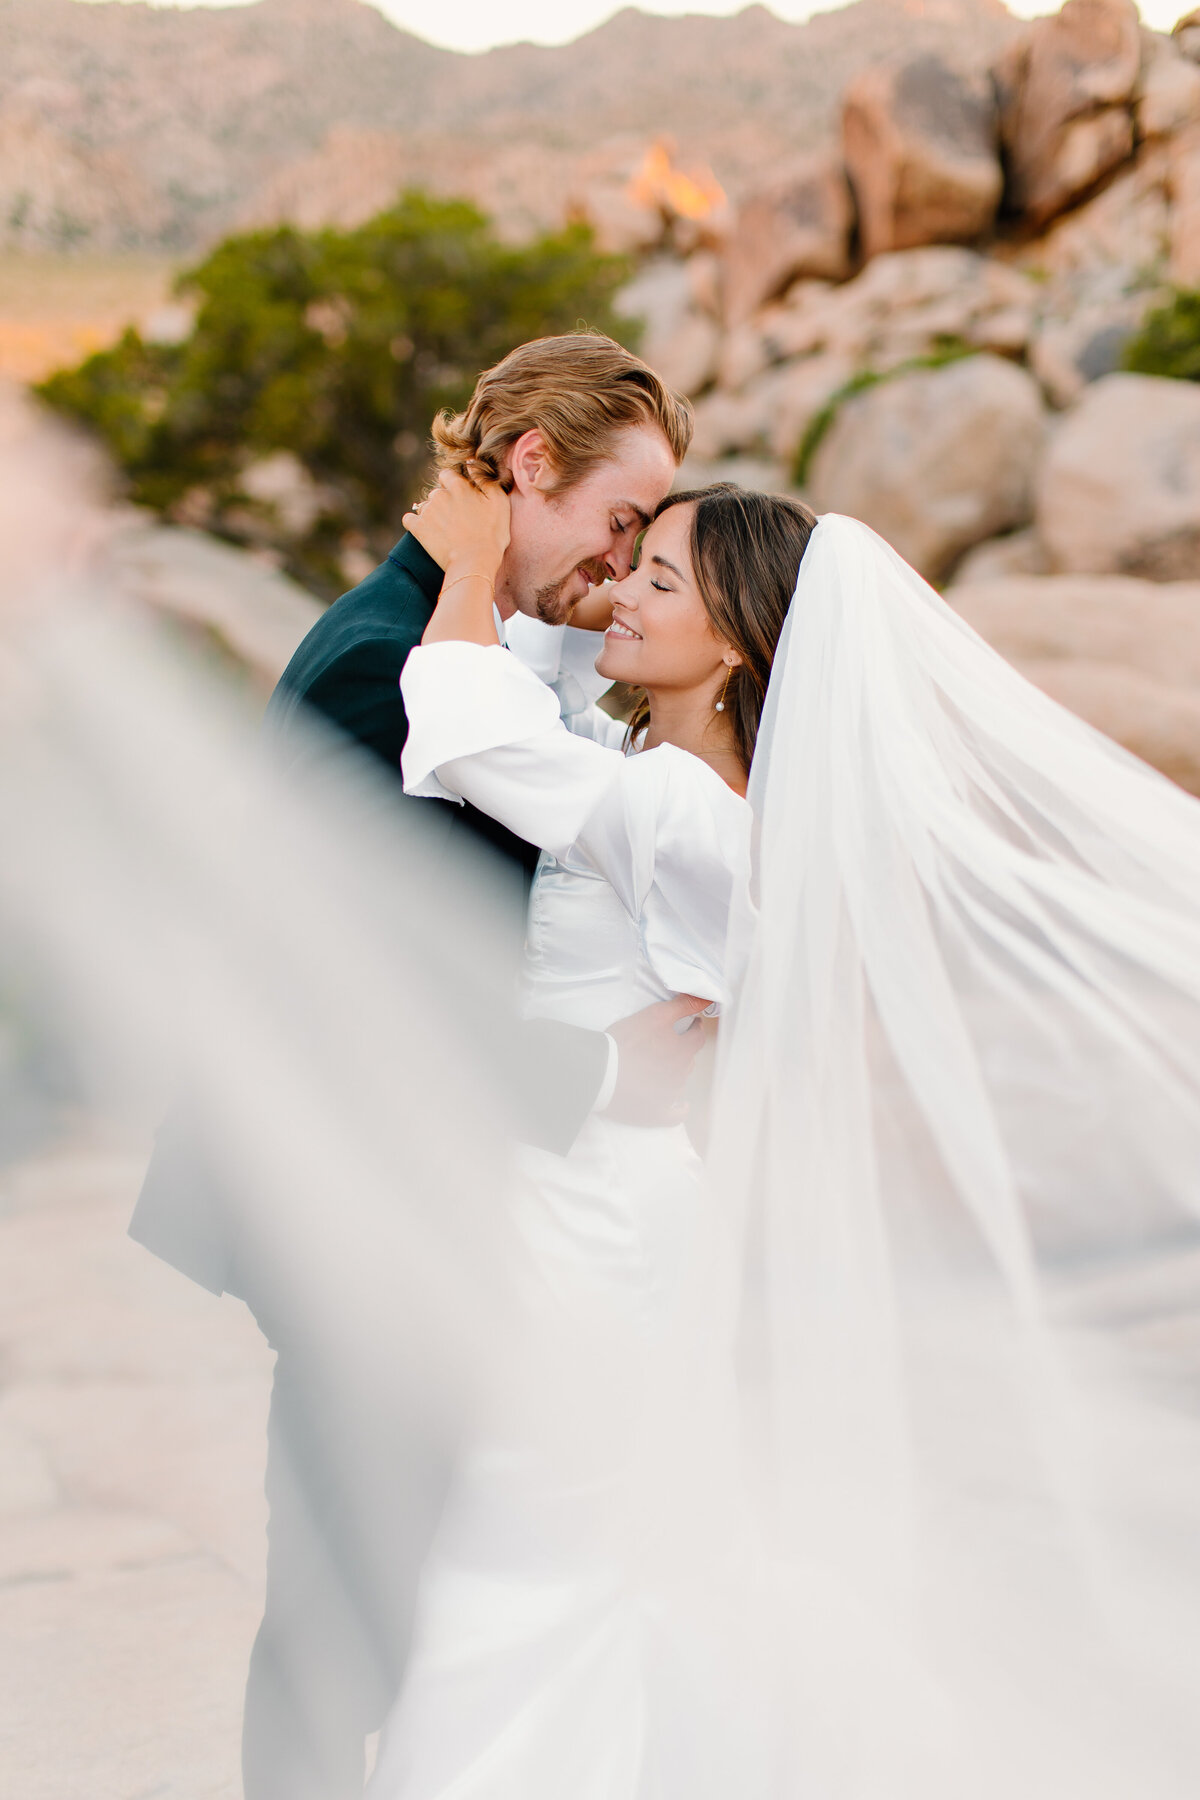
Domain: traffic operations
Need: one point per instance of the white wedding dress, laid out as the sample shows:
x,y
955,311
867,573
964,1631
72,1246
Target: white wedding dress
x,y
941,1538
549,1659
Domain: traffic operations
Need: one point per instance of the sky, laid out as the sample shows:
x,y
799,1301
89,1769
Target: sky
x,y
479,24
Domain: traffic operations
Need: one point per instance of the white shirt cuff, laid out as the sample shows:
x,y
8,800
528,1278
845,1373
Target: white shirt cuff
x,y
608,1086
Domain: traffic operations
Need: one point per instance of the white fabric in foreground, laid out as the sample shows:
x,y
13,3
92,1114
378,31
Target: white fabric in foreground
x,y
959,1122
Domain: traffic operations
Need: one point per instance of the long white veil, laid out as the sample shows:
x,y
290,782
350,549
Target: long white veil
x,y
958,1118
956,1145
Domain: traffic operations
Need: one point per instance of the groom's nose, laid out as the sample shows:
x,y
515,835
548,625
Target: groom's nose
x,y
619,560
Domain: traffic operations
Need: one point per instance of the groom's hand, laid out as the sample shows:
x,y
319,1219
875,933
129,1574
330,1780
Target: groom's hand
x,y
656,1049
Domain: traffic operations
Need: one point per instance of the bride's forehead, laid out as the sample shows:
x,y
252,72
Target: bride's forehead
x,y
672,527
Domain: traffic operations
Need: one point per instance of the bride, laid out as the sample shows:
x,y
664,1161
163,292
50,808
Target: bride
x,y
885,1479
532,1612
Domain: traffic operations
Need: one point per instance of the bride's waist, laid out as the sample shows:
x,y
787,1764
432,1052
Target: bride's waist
x,y
611,1151
593,1003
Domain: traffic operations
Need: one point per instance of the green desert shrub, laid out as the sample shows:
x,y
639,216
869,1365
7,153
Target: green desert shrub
x,y
1169,340
337,347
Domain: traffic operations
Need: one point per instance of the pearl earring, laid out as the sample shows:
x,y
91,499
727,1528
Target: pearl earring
x,y
720,706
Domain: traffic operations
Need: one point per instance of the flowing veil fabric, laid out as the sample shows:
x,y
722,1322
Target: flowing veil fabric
x,y
958,1124
951,1227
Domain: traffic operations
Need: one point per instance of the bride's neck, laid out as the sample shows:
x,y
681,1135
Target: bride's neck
x,y
689,721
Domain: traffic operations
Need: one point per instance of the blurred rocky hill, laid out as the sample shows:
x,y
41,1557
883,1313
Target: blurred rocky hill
x,y
925,323
924,263
136,126
973,320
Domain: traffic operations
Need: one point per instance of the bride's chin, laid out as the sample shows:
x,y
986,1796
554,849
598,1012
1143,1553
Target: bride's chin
x,y
617,668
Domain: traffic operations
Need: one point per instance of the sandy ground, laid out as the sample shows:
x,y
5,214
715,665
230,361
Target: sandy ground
x,y
132,1443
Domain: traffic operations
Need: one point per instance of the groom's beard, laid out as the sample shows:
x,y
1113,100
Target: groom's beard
x,y
550,605
550,602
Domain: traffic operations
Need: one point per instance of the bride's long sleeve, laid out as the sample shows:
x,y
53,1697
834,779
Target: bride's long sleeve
x,y
661,827
565,659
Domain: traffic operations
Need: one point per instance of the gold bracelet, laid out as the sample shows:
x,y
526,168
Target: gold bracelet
x,y
461,578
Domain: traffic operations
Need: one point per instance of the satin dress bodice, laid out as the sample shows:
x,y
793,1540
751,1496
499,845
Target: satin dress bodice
x,y
584,959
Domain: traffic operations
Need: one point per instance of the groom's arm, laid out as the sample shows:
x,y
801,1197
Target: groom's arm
x,y
559,1078
359,693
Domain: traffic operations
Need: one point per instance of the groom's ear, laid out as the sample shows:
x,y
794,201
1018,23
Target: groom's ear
x,y
530,467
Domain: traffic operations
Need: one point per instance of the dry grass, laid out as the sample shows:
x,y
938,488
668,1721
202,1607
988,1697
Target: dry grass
x,y
55,310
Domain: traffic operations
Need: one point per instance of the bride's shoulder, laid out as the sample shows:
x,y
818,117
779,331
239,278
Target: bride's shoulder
x,y
676,777
682,821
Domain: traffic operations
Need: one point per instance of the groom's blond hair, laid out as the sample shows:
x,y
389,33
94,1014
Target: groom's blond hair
x,y
579,390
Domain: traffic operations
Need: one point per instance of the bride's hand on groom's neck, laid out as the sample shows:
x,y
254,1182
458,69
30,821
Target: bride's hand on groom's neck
x,y
466,530
459,522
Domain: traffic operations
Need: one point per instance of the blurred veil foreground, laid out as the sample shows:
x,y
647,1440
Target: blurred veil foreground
x,y
194,929
913,1491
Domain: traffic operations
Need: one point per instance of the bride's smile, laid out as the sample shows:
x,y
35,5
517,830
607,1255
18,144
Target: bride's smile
x,y
661,636
620,630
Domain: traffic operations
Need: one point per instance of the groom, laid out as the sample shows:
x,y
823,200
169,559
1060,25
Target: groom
x,y
587,439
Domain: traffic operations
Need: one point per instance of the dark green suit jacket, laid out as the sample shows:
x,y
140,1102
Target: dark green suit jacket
x,y
348,671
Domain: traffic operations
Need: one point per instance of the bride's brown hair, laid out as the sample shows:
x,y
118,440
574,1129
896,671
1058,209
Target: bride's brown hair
x,y
746,550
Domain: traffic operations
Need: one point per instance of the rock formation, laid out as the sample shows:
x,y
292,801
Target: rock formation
x,y
1066,90
800,224
1100,214
1120,489
249,612
1183,183
935,460
1123,654
179,124
920,143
